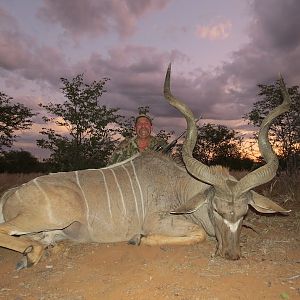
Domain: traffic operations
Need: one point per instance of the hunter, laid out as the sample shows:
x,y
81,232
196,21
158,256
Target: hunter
x,y
142,141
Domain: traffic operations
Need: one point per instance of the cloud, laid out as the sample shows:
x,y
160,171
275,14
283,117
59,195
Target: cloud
x,y
137,72
14,48
276,24
137,76
95,18
22,54
218,31
273,47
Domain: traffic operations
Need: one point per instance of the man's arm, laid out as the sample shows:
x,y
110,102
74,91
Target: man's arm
x,y
117,153
125,150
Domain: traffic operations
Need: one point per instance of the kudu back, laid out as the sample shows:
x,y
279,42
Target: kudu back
x,y
146,199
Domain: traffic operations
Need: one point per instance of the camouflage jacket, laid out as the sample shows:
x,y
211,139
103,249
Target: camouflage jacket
x,y
129,147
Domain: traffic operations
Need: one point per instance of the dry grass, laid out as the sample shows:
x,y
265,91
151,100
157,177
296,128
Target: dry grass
x,y
282,188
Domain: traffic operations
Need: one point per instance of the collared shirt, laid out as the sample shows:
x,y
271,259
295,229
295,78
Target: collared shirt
x,y
129,147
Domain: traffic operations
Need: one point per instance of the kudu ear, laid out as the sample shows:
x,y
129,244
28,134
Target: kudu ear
x,y
190,206
265,205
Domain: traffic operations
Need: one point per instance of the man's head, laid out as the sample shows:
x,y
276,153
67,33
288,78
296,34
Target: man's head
x,y
143,126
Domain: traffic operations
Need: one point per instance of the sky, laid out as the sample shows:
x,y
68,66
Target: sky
x,y
219,50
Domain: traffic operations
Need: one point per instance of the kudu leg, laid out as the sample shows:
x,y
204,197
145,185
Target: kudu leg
x,y
32,250
162,240
173,231
13,237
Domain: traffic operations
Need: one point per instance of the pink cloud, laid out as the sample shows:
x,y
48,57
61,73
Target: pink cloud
x,y
23,55
94,18
136,74
218,31
14,50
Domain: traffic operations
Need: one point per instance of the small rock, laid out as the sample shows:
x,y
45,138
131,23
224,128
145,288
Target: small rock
x,y
49,267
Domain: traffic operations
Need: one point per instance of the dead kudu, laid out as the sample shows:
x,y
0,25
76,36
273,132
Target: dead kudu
x,y
131,201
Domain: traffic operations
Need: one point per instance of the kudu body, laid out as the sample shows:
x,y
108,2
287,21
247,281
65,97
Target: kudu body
x,y
131,201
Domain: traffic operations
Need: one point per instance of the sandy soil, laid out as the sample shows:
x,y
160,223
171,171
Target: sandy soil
x,y
269,269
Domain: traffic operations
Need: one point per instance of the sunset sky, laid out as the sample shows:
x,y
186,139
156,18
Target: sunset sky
x,y
220,50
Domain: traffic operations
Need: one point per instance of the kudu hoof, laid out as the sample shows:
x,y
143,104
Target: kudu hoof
x,y
23,263
135,240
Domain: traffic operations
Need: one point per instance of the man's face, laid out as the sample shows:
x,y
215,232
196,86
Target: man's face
x,y
143,127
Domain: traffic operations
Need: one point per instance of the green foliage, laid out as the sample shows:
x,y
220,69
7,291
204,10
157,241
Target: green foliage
x,y
219,145
285,131
284,296
19,162
13,117
87,140
143,110
165,135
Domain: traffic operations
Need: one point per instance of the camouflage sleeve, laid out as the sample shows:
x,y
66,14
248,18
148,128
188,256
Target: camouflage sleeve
x,y
117,154
125,150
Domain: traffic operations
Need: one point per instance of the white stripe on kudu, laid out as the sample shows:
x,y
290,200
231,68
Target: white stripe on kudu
x,y
140,189
233,226
122,162
133,191
107,193
1,206
118,185
84,197
46,197
18,194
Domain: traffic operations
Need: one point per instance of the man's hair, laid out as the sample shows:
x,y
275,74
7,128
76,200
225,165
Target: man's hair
x,y
142,116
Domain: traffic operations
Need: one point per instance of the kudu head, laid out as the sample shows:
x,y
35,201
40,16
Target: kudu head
x,y
228,199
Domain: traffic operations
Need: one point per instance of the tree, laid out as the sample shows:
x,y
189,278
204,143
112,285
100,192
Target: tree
x,y
13,117
218,145
19,162
87,140
285,131
165,135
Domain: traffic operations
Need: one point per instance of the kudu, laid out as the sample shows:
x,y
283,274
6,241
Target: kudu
x,y
146,199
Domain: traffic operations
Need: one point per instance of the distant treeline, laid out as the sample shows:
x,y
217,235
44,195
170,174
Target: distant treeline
x,y
90,131
22,162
